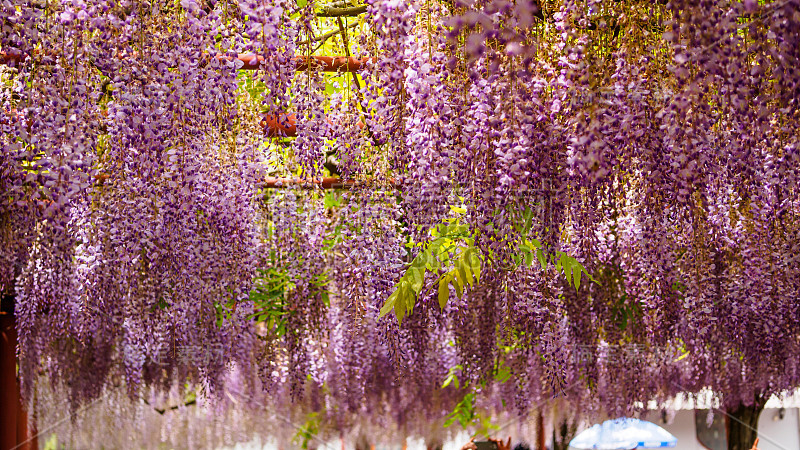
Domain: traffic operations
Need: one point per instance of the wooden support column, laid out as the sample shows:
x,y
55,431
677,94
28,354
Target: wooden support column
x,y
540,438
14,430
27,438
9,391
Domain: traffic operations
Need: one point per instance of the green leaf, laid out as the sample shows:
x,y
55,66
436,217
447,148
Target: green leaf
x,y
326,299
331,200
591,278
452,376
517,259
389,305
465,266
540,256
433,262
576,276
302,3
528,258
460,230
459,286
409,297
444,291
417,277
503,374
400,310
476,268
461,273
566,266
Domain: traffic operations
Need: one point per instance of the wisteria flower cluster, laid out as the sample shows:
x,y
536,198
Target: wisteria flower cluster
x,y
161,175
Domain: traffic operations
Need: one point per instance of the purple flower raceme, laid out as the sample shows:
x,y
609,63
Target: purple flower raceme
x,y
622,175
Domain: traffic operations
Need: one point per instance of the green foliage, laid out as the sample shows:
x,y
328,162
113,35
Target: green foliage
x,y
452,376
625,312
502,372
464,412
307,431
268,295
332,200
532,250
52,442
270,289
224,309
467,415
160,304
451,255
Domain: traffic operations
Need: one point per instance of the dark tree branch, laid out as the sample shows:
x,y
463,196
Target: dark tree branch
x,y
342,12
162,411
171,408
359,98
327,35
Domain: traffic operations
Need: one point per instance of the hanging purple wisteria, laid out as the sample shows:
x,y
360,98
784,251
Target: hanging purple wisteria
x,y
577,202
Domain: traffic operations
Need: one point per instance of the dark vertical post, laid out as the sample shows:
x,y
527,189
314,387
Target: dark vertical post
x,y
22,428
9,392
14,430
26,435
540,439
742,424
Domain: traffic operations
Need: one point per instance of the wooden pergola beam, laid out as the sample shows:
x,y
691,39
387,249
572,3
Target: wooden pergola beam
x,y
252,62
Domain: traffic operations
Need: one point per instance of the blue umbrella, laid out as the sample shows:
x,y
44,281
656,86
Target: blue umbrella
x,y
619,434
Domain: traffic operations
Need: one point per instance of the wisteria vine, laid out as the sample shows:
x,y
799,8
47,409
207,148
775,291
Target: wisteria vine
x,y
650,146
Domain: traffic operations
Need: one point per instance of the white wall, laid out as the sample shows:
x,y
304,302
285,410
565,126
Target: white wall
x,y
779,434
682,427
773,435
